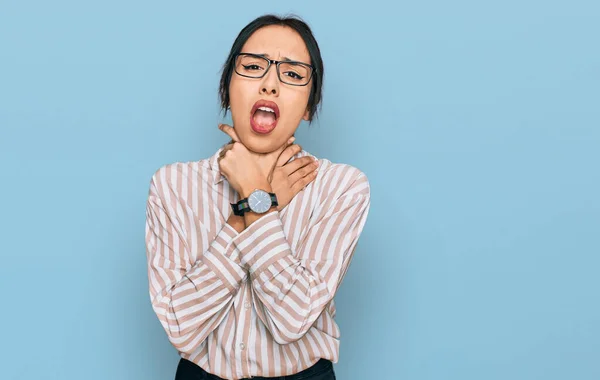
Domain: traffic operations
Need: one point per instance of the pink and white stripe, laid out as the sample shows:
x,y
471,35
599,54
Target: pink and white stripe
x,y
259,302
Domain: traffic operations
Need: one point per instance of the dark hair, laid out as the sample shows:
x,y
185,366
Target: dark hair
x,y
305,32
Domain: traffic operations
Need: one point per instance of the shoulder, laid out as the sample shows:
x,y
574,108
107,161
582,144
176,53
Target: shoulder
x,y
176,177
341,179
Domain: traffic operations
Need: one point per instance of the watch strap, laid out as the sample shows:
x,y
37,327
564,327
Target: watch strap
x,y
274,201
242,206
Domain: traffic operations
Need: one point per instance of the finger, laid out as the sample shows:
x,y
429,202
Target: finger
x,y
298,163
288,153
303,182
302,172
230,131
227,147
224,150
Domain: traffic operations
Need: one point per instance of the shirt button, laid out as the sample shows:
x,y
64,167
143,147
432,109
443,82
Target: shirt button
x,y
247,305
242,346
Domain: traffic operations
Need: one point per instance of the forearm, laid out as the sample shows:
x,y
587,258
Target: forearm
x,y
289,295
190,301
292,288
237,222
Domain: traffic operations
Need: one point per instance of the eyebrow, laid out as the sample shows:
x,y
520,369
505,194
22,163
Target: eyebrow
x,y
284,58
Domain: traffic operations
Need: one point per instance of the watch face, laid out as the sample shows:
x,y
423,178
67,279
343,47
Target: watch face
x,y
259,201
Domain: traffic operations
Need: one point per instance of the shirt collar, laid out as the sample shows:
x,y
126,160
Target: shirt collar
x,y
218,177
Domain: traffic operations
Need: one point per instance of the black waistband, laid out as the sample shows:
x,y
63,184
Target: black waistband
x,y
191,369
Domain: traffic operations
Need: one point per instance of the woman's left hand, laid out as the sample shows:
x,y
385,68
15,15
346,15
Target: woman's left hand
x,y
246,170
287,179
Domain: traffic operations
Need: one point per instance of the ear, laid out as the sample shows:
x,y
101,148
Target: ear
x,y
306,115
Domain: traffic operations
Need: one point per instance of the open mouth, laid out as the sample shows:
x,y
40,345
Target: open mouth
x,y
264,116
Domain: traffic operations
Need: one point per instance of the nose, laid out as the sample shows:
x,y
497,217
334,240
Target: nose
x,y
270,82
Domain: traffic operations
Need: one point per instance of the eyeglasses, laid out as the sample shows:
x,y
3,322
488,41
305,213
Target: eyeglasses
x,y
289,72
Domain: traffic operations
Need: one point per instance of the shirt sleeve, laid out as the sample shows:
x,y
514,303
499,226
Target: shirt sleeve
x,y
291,289
190,297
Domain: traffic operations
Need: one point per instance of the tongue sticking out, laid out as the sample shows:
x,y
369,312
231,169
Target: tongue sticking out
x,y
264,118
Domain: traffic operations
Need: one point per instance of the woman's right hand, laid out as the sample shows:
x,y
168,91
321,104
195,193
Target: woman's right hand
x,y
288,179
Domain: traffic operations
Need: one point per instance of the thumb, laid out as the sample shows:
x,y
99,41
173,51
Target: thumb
x,y
289,142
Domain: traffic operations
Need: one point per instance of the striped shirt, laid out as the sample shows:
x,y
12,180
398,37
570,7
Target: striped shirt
x,y
259,302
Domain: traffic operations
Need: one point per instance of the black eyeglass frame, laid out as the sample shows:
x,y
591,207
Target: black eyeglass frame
x,y
277,63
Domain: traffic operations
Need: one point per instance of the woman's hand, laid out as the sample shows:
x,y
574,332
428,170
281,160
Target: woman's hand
x,y
289,178
285,179
241,170
246,170
265,161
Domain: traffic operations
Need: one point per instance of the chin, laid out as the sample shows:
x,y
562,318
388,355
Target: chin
x,y
258,144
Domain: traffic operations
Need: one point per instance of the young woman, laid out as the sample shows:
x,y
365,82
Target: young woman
x,y
246,249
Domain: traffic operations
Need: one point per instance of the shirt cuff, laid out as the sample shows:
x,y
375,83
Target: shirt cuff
x,y
223,259
262,244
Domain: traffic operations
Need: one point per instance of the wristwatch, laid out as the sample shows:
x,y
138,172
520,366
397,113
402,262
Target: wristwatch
x,y
259,202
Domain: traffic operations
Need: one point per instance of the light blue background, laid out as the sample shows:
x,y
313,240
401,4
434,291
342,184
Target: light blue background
x,y
477,123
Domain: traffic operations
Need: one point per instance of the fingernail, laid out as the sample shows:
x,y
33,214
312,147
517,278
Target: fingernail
x,y
291,140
